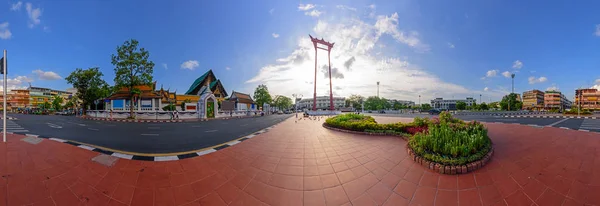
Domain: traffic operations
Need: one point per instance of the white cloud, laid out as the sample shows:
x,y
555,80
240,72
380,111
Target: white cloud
x,y
517,64
553,88
165,66
533,80
313,13
597,33
305,7
486,89
597,86
271,11
227,68
16,6
4,31
491,73
482,78
19,82
373,8
506,74
275,35
450,45
353,56
46,75
389,25
34,15
344,7
190,64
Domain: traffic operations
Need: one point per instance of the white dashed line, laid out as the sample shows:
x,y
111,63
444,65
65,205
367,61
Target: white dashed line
x,y
94,129
149,134
211,130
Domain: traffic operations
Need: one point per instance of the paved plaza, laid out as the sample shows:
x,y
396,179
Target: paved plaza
x,y
301,163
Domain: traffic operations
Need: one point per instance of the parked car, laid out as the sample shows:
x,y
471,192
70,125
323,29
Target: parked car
x,y
434,111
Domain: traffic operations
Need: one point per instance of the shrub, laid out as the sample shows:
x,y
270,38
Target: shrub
x,y
575,111
451,142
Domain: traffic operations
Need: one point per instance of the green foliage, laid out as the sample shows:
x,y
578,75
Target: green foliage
x,y
282,102
515,104
261,95
425,107
355,101
461,105
170,107
46,105
483,106
451,141
132,67
89,84
575,111
57,103
376,103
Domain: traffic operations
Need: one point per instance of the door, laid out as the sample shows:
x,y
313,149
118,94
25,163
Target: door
x,y
210,109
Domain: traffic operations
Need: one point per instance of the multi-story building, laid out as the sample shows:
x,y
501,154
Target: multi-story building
x,y
38,96
450,104
402,102
533,100
587,99
322,103
556,100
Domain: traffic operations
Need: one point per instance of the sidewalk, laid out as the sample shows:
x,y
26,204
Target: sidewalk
x,y
304,164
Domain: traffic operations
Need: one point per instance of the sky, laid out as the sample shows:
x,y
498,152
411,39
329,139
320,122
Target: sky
x,y
448,49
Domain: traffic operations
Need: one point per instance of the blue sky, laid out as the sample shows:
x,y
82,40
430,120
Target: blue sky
x,y
428,48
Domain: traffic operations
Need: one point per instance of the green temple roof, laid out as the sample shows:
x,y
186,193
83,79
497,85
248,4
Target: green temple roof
x,y
198,82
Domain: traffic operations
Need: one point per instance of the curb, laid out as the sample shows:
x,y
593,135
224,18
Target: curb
x,y
196,153
503,114
160,121
555,116
450,169
364,133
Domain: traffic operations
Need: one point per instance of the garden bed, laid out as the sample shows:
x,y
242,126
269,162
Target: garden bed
x,y
446,145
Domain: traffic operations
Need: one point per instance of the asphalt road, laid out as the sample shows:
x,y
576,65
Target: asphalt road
x,y
570,123
145,137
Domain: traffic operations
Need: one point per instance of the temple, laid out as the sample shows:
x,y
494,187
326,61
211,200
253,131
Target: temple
x,y
243,102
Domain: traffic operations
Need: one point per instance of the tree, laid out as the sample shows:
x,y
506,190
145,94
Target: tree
x,y
46,105
89,85
425,107
397,105
461,105
261,95
69,104
282,102
132,68
355,101
376,103
483,106
512,99
57,103
493,105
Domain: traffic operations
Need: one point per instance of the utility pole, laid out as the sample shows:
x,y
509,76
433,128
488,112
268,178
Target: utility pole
x,y
512,76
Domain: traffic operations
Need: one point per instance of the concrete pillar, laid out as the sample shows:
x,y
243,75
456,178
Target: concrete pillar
x,y
153,100
139,105
111,104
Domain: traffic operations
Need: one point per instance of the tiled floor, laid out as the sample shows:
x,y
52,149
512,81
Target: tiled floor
x,y
305,164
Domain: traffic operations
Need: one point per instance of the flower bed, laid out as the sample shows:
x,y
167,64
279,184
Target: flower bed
x,y
444,141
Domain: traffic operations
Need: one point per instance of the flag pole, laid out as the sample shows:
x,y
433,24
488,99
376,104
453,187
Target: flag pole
x,y
4,98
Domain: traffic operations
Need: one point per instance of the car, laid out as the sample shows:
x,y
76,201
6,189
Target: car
x,y
434,111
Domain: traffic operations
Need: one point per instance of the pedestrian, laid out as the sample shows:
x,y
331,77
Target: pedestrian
x,y
111,115
176,114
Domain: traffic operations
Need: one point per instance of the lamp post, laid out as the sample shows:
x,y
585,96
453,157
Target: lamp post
x,y
378,89
512,76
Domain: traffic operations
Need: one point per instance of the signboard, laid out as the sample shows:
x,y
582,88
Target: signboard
x,y
227,105
146,103
2,66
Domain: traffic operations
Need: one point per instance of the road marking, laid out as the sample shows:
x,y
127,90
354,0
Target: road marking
x,y
53,125
153,127
557,122
244,125
211,130
149,134
83,125
94,129
196,126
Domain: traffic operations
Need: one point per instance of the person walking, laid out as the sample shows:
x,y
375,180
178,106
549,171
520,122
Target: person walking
x,y
111,115
176,114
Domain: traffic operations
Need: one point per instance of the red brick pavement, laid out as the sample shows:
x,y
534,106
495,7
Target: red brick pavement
x,y
305,164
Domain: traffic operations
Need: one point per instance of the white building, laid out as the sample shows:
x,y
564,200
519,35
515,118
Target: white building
x,y
322,103
402,102
450,104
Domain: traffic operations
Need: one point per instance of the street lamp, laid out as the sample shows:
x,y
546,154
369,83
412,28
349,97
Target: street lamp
x,y
512,76
378,89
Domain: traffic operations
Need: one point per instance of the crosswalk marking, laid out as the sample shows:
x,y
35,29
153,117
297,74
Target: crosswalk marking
x,y
590,124
12,126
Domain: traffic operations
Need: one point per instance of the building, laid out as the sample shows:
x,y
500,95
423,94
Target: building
x,y
322,103
209,80
16,99
533,100
587,99
450,104
556,100
243,102
147,100
405,103
38,96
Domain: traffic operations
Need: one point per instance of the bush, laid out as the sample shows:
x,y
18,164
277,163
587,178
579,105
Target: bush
x,y
451,141
362,123
575,111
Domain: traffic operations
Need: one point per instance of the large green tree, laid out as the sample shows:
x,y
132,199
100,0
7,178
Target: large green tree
x,y
461,105
57,103
511,100
261,95
355,101
376,103
282,102
90,86
483,106
425,107
132,68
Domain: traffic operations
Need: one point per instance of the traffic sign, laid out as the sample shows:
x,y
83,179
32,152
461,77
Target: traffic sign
x,y
2,66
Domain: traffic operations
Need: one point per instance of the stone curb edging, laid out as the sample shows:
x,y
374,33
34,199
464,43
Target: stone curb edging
x,y
502,114
152,158
159,121
450,169
364,133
